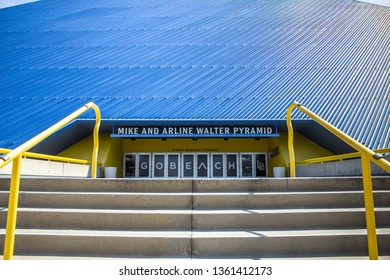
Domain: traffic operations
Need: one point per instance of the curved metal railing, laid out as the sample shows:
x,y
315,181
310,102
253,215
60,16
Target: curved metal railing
x,y
366,154
15,156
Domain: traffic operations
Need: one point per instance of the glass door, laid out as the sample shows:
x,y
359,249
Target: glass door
x,y
173,166
144,165
246,165
188,164
260,165
130,165
231,165
217,166
202,165
159,165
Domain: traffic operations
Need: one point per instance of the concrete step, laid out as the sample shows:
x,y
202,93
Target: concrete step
x,y
255,219
183,185
223,200
102,243
285,200
287,219
99,185
198,244
289,184
100,200
158,259
285,243
89,219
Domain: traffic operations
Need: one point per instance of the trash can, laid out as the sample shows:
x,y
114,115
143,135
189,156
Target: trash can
x,y
279,171
110,172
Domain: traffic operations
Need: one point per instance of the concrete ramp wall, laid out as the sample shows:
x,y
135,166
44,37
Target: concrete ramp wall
x,y
351,167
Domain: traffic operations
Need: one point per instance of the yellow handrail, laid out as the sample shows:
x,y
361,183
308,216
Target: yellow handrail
x,y
366,155
50,157
16,156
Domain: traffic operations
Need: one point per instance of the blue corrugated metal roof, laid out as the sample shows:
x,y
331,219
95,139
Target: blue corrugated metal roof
x,y
195,60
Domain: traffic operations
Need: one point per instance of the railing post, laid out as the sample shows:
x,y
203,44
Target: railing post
x,y
369,205
291,152
95,139
12,209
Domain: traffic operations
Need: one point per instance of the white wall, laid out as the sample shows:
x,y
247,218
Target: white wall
x,y
351,167
36,167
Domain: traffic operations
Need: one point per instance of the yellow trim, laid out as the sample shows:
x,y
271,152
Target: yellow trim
x,y
366,155
16,156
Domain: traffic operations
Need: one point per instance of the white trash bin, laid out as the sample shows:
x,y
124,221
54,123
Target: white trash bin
x,y
110,172
279,171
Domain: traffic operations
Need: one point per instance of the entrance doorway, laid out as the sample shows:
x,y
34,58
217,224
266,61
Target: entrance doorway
x,y
195,165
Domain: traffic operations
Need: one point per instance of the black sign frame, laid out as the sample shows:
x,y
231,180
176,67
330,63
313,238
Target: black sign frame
x,y
194,131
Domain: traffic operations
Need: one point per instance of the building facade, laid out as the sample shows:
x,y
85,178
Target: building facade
x,y
195,89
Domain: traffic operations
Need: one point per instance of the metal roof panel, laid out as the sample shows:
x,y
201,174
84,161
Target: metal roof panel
x,y
196,60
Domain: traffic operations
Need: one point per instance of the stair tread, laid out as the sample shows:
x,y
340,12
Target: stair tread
x,y
285,210
113,211
197,211
285,233
287,192
175,185
60,257
199,233
105,233
106,193
235,193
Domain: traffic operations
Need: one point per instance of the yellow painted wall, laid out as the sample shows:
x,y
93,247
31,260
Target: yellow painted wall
x,y
303,148
200,145
276,159
111,150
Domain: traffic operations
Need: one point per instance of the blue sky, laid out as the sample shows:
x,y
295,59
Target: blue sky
x,y
10,3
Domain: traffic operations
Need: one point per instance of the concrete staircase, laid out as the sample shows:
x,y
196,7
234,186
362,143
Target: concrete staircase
x,y
259,218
